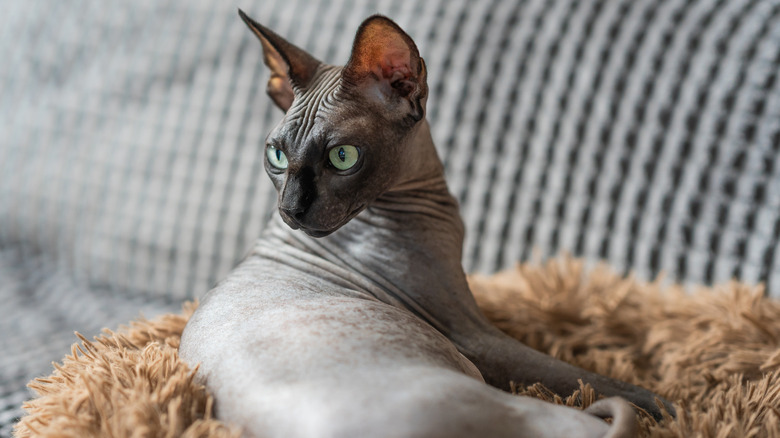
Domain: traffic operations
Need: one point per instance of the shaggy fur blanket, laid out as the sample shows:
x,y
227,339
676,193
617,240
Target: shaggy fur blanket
x,y
713,351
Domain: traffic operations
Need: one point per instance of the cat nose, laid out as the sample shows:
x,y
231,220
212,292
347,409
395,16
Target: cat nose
x,y
296,212
298,193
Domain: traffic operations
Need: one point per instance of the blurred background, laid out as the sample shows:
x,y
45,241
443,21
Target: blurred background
x,y
643,133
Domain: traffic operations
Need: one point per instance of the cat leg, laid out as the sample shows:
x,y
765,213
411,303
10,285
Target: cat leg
x,y
456,407
502,359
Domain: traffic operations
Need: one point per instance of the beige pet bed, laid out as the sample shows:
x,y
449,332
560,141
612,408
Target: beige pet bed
x,y
715,352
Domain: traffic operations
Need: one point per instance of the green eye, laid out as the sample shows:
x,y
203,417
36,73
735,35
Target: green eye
x,y
343,157
276,157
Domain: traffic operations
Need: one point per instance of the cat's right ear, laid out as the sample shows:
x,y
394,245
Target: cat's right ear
x,y
291,67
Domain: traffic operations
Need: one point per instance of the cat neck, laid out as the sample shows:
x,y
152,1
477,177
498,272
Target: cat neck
x,y
419,203
422,168
421,194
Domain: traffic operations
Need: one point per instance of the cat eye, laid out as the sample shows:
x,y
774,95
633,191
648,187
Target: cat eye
x,y
344,157
276,157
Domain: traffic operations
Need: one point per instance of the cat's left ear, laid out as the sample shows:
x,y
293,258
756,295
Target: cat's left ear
x,y
290,66
385,63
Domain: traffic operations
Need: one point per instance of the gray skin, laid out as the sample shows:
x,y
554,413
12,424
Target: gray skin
x,y
352,315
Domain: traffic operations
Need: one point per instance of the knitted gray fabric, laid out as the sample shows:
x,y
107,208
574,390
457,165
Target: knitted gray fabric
x,y
640,132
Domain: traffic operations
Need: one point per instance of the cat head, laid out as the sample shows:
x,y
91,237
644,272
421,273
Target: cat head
x,y
347,133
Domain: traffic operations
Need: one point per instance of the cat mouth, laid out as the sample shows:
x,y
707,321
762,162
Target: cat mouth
x,y
317,233
321,232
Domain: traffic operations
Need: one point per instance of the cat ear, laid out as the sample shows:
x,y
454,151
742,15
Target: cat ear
x,y
385,58
291,67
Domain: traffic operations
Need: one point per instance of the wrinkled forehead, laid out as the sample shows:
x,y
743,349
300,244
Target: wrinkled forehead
x,y
313,109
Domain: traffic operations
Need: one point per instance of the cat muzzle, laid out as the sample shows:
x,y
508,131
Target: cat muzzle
x,y
295,220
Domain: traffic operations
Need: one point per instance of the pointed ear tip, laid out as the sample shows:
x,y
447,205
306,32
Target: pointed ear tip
x,y
379,18
380,23
247,19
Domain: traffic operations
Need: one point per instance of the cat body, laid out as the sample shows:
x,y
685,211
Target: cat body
x,y
352,315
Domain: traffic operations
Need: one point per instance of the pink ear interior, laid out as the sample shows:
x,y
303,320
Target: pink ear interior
x,y
390,58
383,51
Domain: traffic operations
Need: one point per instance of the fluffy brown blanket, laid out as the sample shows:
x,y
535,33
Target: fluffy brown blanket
x,y
713,351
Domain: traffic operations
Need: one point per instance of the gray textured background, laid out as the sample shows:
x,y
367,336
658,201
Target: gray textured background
x,y
641,132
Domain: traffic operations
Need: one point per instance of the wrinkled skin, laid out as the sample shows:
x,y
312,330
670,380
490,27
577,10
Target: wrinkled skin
x,y
352,315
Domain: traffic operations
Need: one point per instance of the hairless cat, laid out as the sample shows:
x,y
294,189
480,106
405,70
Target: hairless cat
x,y
352,315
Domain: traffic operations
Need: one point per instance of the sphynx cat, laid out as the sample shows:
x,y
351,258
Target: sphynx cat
x,y
352,317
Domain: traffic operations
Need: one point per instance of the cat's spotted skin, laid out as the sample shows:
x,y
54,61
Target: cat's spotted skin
x,y
369,327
